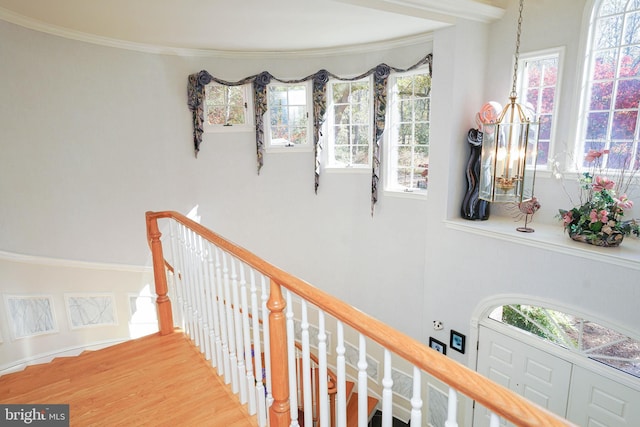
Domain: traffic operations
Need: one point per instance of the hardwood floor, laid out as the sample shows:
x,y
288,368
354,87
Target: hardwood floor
x,y
152,381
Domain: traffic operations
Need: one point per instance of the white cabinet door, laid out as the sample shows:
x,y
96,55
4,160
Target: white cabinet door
x,y
530,372
597,401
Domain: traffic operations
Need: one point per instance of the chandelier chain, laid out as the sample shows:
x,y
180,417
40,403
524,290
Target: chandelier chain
x,y
517,54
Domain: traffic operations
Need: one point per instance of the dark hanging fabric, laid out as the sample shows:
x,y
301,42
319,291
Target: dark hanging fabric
x,y
196,90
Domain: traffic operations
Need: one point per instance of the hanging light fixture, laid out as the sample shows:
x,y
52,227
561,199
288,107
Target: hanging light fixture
x,y
509,148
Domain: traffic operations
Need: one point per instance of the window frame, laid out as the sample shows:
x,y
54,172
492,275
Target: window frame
x,y
248,126
390,166
328,157
271,147
540,55
585,99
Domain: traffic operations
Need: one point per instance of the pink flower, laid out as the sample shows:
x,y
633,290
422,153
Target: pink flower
x,y
594,154
603,183
596,216
567,218
624,202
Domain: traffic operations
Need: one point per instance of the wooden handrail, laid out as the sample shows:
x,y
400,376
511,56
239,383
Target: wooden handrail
x,y
496,398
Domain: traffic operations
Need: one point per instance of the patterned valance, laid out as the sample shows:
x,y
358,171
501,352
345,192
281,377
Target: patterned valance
x,y
198,81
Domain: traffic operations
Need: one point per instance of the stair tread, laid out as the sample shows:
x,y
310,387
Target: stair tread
x,y
352,409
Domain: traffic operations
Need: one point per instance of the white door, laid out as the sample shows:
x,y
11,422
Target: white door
x,y
597,401
539,376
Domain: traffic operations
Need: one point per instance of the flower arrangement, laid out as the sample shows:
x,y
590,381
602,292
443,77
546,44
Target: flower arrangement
x,y
598,217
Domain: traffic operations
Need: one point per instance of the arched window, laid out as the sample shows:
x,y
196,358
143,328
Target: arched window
x,y
609,119
579,335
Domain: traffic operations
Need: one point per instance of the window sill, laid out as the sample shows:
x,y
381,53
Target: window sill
x,y
552,238
422,195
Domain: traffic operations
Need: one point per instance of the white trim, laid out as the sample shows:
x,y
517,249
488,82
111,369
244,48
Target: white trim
x,y
59,262
21,364
34,24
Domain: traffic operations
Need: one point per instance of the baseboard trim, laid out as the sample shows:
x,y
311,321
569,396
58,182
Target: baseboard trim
x,y
19,365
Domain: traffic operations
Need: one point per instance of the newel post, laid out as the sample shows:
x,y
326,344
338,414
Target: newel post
x,y
165,316
279,415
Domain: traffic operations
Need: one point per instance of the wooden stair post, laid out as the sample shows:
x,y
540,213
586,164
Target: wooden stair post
x,y
165,316
279,411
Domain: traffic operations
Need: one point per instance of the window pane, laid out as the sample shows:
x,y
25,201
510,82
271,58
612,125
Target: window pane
x,y
597,125
422,109
342,114
604,65
624,124
620,155
405,133
629,64
361,135
628,94
360,92
543,152
299,135
608,31
545,127
340,93
601,96
632,28
422,134
546,104
609,7
406,110
341,135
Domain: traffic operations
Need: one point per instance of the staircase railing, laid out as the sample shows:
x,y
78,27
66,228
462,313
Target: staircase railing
x,y
232,303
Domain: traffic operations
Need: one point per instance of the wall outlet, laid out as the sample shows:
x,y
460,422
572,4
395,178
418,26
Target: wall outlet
x,y
437,325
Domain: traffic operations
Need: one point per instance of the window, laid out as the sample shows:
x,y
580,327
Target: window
x,y
227,108
609,119
349,124
539,76
289,125
581,336
408,132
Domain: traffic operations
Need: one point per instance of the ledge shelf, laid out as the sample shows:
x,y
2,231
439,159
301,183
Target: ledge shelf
x,y
552,238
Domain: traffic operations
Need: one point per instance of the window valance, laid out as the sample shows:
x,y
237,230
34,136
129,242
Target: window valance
x,y
381,72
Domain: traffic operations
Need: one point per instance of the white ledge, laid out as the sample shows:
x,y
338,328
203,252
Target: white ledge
x,y
552,238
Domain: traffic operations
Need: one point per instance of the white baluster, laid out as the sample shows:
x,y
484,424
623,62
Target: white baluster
x,y
177,281
387,392
267,340
257,354
212,308
226,366
306,368
233,361
494,420
202,312
341,411
246,334
237,326
186,279
416,399
452,409
191,286
323,392
363,410
291,359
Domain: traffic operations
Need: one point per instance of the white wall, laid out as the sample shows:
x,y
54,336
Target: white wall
x,y
92,137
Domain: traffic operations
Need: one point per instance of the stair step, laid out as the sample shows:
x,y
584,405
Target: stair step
x,y
352,409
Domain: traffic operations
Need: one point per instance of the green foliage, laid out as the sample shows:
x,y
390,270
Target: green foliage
x,y
528,318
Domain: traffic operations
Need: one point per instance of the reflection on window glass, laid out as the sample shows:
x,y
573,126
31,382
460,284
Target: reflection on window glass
x,y
350,124
579,335
225,105
409,128
613,85
288,117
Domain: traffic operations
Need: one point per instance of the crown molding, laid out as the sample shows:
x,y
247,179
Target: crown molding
x,y
58,262
36,25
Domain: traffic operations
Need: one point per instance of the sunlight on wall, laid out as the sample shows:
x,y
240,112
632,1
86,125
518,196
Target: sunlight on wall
x,y
144,318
